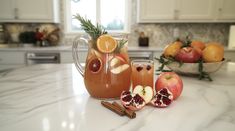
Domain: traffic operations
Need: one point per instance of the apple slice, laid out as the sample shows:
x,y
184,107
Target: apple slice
x,y
120,69
114,61
117,60
145,92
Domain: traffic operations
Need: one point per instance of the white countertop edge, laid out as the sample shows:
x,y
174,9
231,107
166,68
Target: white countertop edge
x,y
68,48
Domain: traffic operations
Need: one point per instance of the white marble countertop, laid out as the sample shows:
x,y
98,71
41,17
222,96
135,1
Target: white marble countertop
x,y
53,98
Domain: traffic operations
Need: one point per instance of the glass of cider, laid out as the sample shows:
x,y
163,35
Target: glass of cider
x,y
142,72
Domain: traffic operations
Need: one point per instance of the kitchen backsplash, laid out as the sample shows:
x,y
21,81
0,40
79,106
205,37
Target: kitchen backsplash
x,y
162,34
12,30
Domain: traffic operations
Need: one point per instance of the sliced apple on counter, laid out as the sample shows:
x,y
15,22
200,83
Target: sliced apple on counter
x,y
145,92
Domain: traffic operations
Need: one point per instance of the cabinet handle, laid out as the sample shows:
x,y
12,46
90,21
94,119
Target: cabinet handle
x,y
220,9
16,10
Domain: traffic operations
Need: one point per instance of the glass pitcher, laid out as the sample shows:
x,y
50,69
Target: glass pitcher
x,y
105,75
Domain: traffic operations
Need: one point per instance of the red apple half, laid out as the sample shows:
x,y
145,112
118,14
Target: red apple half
x,y
171,81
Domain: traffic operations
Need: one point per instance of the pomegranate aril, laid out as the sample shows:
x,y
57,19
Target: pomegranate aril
x,y
166,100
148,67
164,92
127,98
159,97
139,68
132,101
163,98
126,93
138,99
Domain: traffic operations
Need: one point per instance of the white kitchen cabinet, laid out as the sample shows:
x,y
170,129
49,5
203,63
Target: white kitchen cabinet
x,y
12,57
29,11
7,9
66,57
229,55
195,9
157,11
226,10
152,10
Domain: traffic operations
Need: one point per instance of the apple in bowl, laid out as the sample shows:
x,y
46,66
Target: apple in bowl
x,y
188,55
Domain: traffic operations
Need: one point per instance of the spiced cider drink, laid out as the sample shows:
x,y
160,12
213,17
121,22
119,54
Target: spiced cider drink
x,y
107,69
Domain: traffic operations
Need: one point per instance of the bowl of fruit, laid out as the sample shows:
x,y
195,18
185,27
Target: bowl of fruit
x,y
193,58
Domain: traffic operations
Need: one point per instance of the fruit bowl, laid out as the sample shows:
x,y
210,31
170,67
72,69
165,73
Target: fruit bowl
x,y
192,68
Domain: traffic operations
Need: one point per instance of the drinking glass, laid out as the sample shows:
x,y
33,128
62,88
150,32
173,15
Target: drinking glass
x,y
142,73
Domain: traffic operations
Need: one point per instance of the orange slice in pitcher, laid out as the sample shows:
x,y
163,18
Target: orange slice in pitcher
x,y
106,44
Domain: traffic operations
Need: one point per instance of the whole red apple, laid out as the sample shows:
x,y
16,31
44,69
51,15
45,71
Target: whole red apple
x,y
171,81
188,55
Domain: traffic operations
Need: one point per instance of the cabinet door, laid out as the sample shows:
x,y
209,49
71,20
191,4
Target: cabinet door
x,y
226,9
195,9
155,10
12,57
66,57
229,55
34,9
7,9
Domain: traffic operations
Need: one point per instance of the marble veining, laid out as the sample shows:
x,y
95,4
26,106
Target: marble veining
x,y
52,97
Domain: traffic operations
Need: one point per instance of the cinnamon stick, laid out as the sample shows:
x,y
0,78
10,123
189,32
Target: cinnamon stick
x,y
113,108
131,114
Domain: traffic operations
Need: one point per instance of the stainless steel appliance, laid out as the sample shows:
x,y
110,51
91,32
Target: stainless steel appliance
x,y
42,58
2,37
141,55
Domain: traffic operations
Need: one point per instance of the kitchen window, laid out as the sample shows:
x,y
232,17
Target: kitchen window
x,y
113,15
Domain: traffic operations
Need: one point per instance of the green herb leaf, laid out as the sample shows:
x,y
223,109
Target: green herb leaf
x,y
89,28
121,43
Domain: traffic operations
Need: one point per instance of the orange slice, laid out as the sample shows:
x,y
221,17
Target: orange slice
x,y
106,44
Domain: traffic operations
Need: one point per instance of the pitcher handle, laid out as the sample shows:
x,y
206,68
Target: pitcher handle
x,y
78,65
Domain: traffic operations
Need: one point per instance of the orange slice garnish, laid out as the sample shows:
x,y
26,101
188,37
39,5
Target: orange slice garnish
x,y
106,44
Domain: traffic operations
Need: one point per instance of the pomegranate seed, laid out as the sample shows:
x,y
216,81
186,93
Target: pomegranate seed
x,y
127,98
148,67
166,100
139,68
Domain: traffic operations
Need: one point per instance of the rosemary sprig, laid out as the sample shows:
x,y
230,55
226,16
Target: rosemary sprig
x,y
121,43
163,63
202,74
89,28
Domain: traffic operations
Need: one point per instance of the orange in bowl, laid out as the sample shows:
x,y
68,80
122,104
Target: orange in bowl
x,y
106,44
213,52
198,44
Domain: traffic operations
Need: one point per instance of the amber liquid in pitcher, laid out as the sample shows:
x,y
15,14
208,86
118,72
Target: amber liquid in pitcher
x,y
107,75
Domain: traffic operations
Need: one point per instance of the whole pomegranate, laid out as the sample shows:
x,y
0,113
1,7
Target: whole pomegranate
x,y
171,81
188,55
